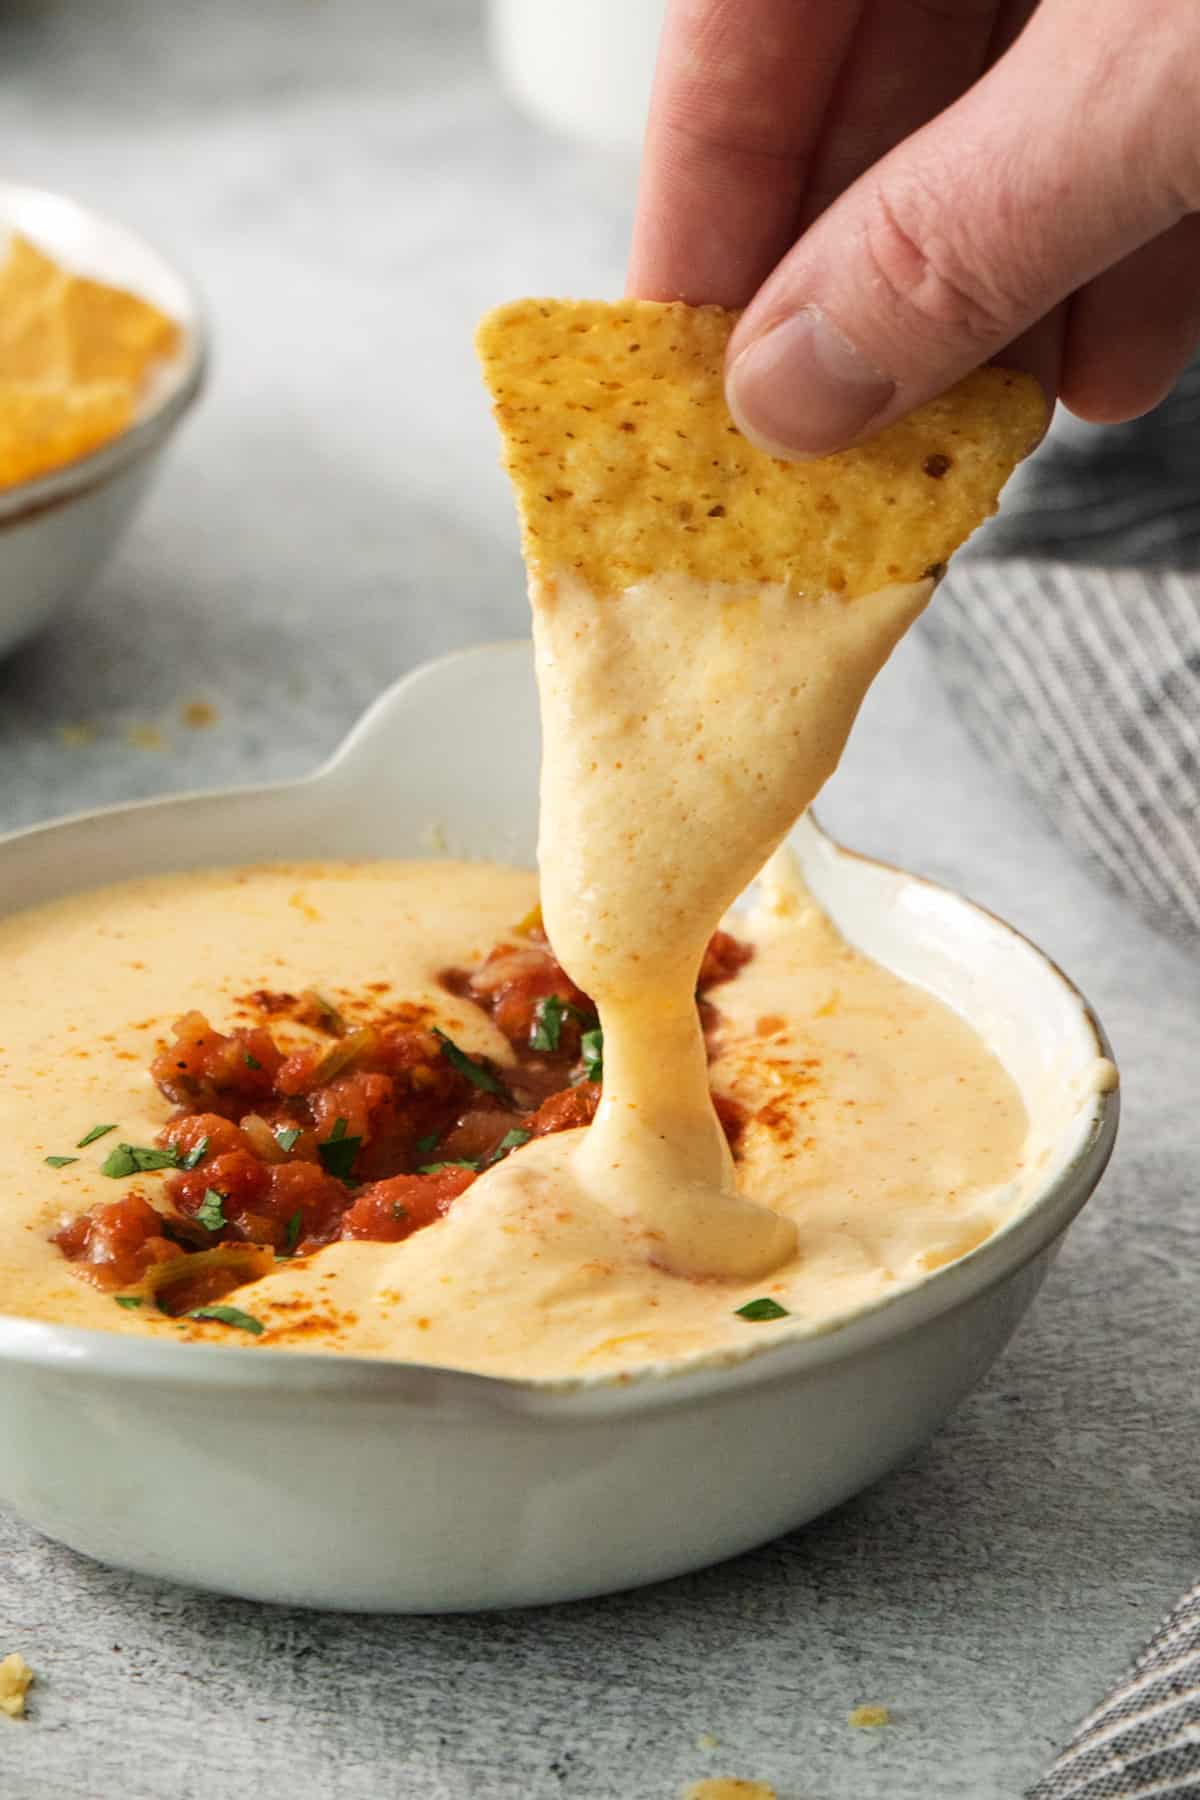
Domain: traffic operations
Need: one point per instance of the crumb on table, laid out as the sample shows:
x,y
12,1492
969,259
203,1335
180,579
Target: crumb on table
x,y
198,715
869,1718
76,736
15,1679
725,1788
145,737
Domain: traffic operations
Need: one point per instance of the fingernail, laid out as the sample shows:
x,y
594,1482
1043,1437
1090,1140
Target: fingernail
x,y
802,389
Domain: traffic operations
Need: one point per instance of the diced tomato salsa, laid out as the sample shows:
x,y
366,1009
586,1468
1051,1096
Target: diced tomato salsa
x,y
368,1132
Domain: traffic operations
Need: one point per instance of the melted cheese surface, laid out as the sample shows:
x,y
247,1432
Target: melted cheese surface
x,y
881,1130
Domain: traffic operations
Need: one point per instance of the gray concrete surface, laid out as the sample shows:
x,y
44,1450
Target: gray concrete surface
x,y
352,192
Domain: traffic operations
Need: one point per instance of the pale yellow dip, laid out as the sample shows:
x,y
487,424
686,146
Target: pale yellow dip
x,y
880,1127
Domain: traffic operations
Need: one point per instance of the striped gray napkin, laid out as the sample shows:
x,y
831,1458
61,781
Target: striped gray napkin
x,y
1069,637
1144,1739
1086,681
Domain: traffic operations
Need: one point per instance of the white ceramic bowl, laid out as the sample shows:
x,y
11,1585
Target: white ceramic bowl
x,y
343,1482
56,530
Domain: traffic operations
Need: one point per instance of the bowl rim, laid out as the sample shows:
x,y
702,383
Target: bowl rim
x,y
57,486
1019,1241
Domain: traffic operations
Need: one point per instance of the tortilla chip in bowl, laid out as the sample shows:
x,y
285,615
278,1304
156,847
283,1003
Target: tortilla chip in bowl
x,y
102,351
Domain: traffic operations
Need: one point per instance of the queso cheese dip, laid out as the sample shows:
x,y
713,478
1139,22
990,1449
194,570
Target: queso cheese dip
x,y
406,1110
873,1120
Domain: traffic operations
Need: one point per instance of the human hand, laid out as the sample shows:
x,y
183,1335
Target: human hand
x,y
899,190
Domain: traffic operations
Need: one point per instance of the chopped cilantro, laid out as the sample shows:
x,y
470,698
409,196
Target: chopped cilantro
x,y
230,1315
457,1162
195,1155
128,1300
137,1159
60,1162
548,1021
547,1026
211,1213
591,1045
97,1131
252,1062
287,1139
466,1065
758,1310
338,1151
425,1144
295,1226
512,1140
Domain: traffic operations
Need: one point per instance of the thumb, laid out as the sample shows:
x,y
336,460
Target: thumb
x,y
1047,171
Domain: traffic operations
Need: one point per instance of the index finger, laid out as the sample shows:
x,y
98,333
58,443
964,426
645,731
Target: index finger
x,y
739,99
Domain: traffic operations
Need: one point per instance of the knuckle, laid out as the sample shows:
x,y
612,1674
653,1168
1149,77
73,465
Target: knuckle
x,y
933,282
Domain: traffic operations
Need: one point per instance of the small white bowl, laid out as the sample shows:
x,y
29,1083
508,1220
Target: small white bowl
x,y
346,1482
56,530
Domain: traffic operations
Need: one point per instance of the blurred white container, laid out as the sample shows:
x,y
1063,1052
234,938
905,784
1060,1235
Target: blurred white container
x,y
582,68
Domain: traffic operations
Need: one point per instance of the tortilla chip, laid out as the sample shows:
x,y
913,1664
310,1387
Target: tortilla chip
x,y
27,276
626,462
114,336
73,356
44,425
32,329
33,344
